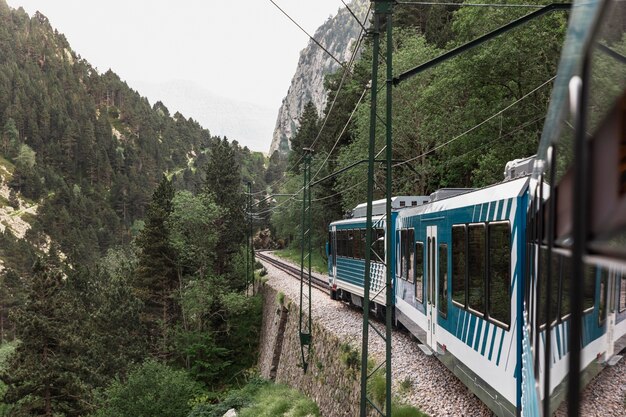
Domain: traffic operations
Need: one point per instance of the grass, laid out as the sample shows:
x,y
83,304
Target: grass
x,y
279,400
318,263
376,388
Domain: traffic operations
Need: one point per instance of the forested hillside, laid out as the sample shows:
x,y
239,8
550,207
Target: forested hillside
x,y
122,241
456,124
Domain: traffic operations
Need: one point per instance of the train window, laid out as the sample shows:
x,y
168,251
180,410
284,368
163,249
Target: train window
x,y
543,285
419,271
399,253
362,243
622,294
410,255
338,242
357,244
442,303
499,303
342,242
404,261
330,244
350,244
604,275
589,283
459,267
566,278
476,267
378,246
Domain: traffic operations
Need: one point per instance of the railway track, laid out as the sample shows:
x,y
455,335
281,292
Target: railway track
x,y
292,270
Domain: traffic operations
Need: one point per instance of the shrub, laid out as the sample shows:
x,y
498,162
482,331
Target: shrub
x,y
280,298
151,390
406,411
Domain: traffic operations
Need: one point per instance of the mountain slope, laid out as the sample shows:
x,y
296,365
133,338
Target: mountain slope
x,y
338,34
83,147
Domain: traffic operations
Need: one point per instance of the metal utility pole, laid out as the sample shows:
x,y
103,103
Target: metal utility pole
x,y
304,325
250,251
248,241
382,9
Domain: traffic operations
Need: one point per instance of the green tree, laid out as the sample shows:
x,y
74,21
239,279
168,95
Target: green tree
x,y
42,376
25,159
304,136
156,278
10,135
223,180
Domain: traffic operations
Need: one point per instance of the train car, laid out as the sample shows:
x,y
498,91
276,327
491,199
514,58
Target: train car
x,y
346,251
459,284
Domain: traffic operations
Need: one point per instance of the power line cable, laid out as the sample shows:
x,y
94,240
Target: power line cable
x,y
341,134
353,15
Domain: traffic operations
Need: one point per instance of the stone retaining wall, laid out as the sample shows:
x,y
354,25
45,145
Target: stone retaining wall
x,y
329,381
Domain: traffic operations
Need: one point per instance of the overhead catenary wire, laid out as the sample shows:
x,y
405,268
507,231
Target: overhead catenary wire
x,y
307,33
476,126
328,156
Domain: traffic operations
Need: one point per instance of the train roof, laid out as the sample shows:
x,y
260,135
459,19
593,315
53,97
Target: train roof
x,y
354,220
501,191
398,202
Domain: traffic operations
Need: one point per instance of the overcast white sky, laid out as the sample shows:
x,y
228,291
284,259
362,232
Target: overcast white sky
x,y
240,49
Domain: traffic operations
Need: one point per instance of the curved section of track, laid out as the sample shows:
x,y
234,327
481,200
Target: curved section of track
x,y
292,270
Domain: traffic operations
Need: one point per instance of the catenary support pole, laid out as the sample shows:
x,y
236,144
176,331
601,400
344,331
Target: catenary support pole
x,y
248,242
388,189
305,319
382,9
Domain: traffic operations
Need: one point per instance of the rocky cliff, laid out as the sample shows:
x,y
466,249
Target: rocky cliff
x,y
338,34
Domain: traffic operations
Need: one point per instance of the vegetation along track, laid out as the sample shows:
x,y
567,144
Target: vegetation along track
x,y
291,270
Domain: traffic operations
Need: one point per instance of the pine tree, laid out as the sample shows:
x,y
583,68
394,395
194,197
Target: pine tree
x,y
156,278
223,180
43,378
304,137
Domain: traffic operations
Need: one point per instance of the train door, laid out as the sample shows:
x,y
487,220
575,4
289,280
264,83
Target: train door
x,y
333,249
610,318
431,304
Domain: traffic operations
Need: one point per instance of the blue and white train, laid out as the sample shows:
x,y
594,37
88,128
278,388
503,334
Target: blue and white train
x,y
461,264
476,271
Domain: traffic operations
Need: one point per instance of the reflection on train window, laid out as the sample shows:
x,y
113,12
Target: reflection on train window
x,y
543,285
622,294
499,307
476,267
378,247
566,277
458,264
419,271
442,303
589,292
